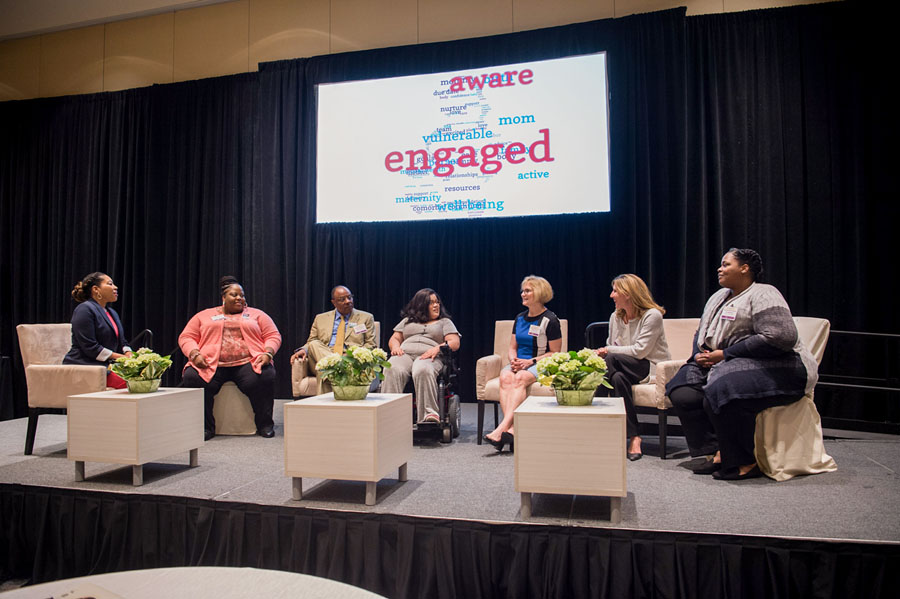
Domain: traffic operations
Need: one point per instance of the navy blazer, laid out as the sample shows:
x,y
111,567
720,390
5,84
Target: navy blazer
x,y
92,333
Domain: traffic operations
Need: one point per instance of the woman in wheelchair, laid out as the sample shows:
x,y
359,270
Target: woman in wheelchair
x,y
636,342
536,333
415,350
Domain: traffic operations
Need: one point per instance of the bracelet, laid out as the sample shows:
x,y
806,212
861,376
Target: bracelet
x,y
270,354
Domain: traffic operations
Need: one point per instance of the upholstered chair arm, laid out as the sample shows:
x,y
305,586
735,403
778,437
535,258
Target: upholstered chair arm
x,y
299,371
49,385
664,372
486,368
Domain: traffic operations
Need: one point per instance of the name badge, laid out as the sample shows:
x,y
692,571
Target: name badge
x,y
359,329
246,315
534,330
729,312
218,317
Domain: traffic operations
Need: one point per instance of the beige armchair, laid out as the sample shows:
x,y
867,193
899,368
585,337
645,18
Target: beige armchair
x,y
788,439
652,393
303,374
49,381
487,371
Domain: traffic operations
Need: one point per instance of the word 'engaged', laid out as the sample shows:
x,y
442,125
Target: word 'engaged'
x,y
443,160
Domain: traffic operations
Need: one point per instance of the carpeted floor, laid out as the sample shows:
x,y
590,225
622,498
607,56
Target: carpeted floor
x,y
473,482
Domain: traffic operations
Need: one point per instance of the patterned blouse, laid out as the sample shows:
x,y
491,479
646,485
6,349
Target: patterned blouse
x,y
234,351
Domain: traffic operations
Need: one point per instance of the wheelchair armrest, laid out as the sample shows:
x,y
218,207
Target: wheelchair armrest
x,y
449,366
486,368
665,370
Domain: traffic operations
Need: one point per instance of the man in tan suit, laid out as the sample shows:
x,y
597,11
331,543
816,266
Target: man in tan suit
x,y
326,332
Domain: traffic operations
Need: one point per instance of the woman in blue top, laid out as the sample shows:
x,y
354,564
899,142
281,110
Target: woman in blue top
x,y
536,333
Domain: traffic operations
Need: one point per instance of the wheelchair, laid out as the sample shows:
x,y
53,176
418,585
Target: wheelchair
x,y
448,427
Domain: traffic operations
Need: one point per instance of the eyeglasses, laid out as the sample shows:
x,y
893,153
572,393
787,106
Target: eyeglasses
x,y
342,299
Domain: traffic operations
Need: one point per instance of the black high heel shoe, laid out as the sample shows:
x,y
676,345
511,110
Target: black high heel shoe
x,y
497,444
735,474
508,438
708,467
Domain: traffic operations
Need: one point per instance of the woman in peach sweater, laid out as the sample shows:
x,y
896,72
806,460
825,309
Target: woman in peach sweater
x,y
232,342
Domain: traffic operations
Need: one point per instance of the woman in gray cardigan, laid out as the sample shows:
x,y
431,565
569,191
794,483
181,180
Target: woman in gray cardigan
x,y
747,357
635,344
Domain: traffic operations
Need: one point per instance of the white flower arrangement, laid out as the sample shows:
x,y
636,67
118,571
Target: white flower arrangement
x,y
583,369
357,366
144,364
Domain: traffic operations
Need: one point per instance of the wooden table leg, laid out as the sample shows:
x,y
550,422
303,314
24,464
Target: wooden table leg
x,y
297,488
402,476
615,510
79,471
137,475
526,505
195,457
370,492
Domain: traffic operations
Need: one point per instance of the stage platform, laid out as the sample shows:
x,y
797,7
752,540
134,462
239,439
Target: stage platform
x,y
464,480
856,507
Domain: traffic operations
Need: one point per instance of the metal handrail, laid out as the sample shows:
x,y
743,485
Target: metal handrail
x,y
864,334
590,327
861,387
822,383
598,324
146,333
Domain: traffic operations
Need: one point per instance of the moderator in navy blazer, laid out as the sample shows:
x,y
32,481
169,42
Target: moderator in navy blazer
x,y
93,335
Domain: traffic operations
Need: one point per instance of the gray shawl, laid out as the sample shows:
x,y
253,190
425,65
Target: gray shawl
x,y
764,356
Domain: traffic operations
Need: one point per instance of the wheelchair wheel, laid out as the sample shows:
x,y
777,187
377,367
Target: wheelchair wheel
x,y
446,434
454,415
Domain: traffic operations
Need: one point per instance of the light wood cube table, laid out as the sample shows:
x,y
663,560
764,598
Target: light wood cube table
x,y
347,440
134,428
571,450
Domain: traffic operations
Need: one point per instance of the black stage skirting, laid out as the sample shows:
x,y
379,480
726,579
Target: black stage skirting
x,y
50,533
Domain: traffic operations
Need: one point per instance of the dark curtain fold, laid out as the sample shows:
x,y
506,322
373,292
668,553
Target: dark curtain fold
x,y
199,220
788,137
768,129
48,534
151,186
771,141
281,250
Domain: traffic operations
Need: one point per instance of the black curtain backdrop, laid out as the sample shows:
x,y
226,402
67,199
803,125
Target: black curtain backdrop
x,y
49,534
766,129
